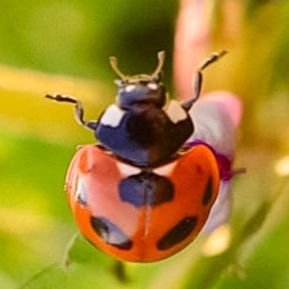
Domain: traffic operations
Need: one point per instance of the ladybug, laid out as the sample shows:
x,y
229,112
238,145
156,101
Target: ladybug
x,y
144,192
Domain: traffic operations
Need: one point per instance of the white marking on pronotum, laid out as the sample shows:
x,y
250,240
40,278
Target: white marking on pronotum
x,y
112,116
175,112
128,170
165,170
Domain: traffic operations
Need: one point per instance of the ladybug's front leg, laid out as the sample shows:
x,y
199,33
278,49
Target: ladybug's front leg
x,y
199,78
79,112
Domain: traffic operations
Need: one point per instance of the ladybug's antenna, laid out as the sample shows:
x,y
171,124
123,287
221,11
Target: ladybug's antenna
x,y
161,58
114,66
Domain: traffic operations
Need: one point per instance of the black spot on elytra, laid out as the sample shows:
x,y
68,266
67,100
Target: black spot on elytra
x,y
178,233
146,189
208,193
111,233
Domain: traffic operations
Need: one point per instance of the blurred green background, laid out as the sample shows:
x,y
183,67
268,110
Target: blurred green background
x,y
64,46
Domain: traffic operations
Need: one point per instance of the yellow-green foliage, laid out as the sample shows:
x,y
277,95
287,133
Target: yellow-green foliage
x,y
63,46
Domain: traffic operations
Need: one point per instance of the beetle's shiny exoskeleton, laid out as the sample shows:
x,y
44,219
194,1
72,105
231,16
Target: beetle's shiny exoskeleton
x,y
144,192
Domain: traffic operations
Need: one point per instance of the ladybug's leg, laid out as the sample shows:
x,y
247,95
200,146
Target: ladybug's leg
x,y
79,112
198,82
199,78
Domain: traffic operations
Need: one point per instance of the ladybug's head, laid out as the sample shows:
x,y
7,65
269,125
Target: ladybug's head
x,y
140,90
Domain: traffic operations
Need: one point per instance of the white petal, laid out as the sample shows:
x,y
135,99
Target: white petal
x,y
221,209
214,126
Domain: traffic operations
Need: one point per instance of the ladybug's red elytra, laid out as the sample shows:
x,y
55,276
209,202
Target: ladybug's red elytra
x,y
144,192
